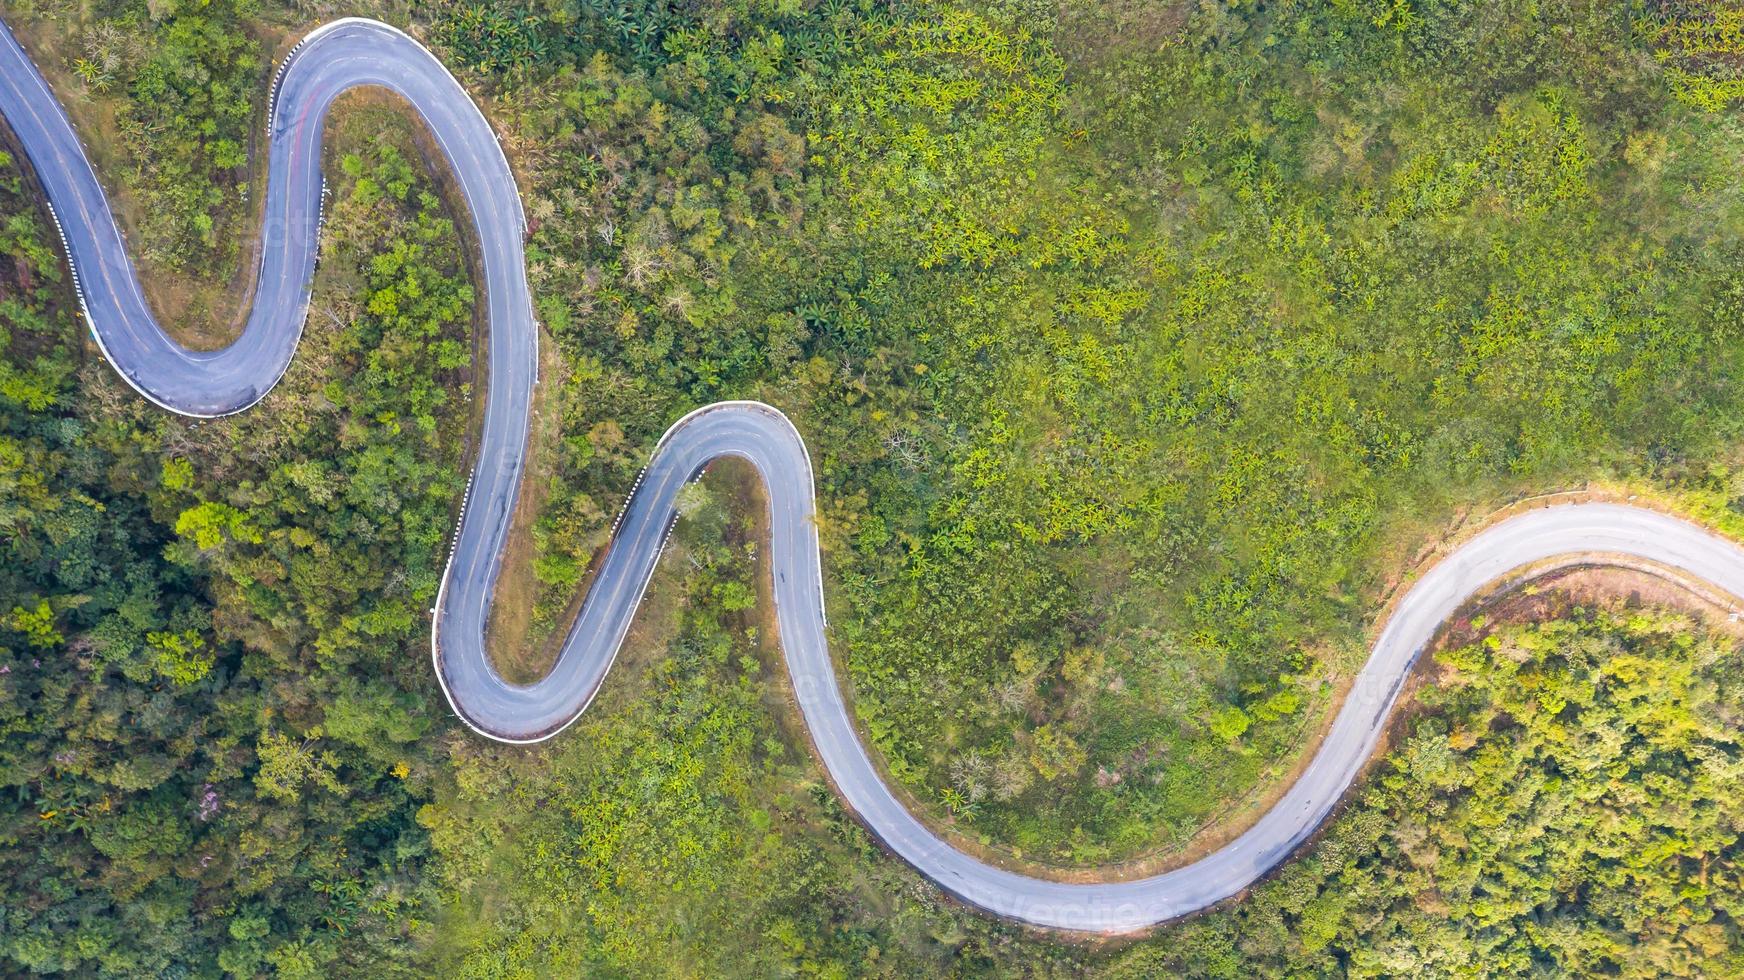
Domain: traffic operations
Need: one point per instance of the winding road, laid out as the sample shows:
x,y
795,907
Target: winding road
x,y
350,53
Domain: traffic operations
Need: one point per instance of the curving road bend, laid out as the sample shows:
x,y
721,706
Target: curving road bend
x,y
351,53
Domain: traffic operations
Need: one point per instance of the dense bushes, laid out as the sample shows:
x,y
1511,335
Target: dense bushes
x,y
1568,805
189,75
210,704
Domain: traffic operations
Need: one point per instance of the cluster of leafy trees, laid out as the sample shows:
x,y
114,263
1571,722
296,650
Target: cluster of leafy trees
x,y
167,97
184,79
212,696
1567,803
96,663
1698,42
190,117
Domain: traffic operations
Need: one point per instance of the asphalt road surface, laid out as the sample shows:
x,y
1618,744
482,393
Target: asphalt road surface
x,y
351,53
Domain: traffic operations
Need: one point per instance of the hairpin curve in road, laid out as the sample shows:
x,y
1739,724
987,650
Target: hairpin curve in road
x,y
350,53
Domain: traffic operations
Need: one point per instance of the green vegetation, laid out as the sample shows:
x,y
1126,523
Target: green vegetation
x,y
212,703
1120,418
1567,804
168,97
184,80
1140,345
